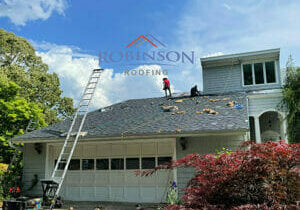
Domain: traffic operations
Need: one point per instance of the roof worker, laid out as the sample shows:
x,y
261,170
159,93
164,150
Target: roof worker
x,y
166,84
195,91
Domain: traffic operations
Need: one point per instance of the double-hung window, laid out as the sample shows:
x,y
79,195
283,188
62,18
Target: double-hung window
x,y
259,73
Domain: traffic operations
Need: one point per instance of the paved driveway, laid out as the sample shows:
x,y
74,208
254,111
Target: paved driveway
x,y
88,205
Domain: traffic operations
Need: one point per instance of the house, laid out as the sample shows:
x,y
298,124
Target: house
x,y
139,134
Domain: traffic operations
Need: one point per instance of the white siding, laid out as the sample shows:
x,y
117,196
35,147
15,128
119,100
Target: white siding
x,y
257,106
202,145
33,163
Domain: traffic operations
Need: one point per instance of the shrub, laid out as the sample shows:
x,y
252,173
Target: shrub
x,y
260,176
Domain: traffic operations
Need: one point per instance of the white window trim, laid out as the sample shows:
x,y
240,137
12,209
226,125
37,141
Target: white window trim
x,y
264,73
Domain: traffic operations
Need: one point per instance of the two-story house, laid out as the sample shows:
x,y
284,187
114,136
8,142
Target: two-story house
x,y
141,134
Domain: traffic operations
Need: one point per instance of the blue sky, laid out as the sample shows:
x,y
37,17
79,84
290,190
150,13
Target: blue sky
x,y
69,34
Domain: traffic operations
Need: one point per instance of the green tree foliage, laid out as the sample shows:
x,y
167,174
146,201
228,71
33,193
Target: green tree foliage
x,y
291,99
15,113
19,62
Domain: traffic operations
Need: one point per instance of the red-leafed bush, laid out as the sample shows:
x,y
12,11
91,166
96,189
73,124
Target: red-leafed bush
x,y
257,176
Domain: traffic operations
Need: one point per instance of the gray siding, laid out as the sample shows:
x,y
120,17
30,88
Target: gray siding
x,y
219,80
202,145
257,106
33,163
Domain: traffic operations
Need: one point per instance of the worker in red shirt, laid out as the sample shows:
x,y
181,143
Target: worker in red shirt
x,y
166,83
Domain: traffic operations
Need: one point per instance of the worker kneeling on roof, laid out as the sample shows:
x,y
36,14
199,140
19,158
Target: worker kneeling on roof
x,y
195,91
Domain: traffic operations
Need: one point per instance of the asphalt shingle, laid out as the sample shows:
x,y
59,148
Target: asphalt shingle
x,y
146,117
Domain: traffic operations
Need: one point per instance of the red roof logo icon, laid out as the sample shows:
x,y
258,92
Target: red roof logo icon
x,y
141,39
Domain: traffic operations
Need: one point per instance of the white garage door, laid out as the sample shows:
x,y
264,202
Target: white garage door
x,y
106,172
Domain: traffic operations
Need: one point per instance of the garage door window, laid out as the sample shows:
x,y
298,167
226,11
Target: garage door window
x,y
132,163
88,164
148,163
74,164
102,164
61,166
163,160
117,164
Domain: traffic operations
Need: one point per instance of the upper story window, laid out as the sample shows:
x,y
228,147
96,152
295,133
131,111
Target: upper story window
x,y
259,73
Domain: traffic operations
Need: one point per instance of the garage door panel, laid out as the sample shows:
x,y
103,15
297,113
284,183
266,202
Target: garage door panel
x,y
73,179
117,194
131,179
165,148
117,179
87,193
149,148
89,151
117,149
102,179
103,150
102,193
133,149
87,179
132,194
148,181
148,194
72,193
164,177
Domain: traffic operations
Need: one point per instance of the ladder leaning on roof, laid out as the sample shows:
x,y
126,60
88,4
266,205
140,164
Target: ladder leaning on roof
x,y
51,187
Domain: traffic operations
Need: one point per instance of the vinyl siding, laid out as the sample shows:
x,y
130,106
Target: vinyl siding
x,y
33,163
202,145
226,79
257,106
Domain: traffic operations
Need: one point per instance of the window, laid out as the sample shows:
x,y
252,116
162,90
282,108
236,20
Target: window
x,y
61,166
148,163
270,72
132,163
248,80
163,160
117,164
74,164
102,164
88,164
259,73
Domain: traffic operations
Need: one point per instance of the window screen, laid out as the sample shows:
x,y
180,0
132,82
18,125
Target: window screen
x,y
88,164
259,73
162,160
117,164
270,72
102,164
132,163
148,163
247,69
74,164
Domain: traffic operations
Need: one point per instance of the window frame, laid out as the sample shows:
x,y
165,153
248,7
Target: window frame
x,y
264,73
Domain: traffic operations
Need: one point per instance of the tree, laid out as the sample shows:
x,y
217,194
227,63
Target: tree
x,y
291,99
15,114
257,176
19,62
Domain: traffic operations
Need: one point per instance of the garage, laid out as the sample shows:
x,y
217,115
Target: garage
x,y
106,171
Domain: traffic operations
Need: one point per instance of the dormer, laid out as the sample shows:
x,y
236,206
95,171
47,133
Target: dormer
x,y
242,72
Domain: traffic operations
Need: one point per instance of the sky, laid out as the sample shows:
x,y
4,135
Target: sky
x,y
69,35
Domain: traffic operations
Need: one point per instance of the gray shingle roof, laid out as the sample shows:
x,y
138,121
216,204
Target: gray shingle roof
x,y
146,117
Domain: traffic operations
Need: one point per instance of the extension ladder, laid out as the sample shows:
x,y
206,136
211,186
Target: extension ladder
x,y
51,187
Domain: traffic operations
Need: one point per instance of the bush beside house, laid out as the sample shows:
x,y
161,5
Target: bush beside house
x,y
257,176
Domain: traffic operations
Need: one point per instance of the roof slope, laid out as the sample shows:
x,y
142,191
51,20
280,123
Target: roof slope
x,y
146,117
